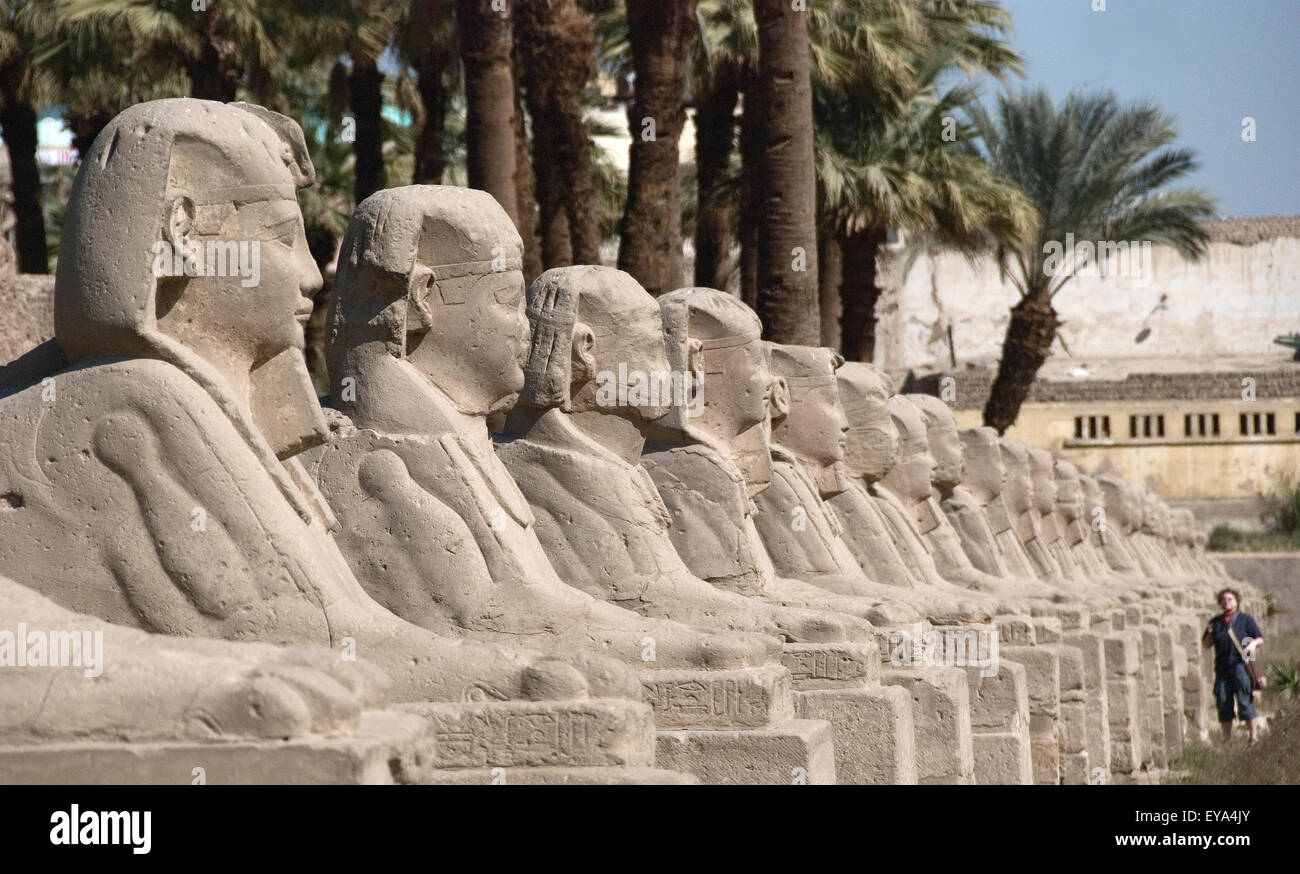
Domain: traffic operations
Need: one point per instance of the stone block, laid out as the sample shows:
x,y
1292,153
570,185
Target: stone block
x,y
1002,758
832,665
872,730
744,698
797,752
941,717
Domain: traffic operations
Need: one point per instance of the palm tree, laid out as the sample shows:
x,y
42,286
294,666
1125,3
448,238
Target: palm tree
x,y
428,44
914,170
650,248
1092,168
556,45
21,83
787,225
486,44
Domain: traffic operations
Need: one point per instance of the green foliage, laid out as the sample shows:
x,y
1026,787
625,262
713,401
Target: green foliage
x,y
1093,168
1283,679
1281,510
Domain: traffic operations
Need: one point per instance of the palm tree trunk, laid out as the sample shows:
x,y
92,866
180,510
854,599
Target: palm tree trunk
x,y
830,272
209,80
556,43
486,40
751,123
430,61
366,100
715,128
18,120
1028,342
858,292
650,247
787,221
526,202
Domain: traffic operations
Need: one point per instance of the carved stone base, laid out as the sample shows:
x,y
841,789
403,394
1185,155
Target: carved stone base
x,y
875,739
941,716
1097,716
1075,769
387,748
520,734
560,777
832,665
797,752
1043,679
746,698
1000,724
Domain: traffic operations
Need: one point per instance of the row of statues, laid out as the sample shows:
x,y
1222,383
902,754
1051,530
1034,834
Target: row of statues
x,y
555,494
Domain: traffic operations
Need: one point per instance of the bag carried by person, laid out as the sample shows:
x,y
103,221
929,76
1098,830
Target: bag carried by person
x,y
1253,667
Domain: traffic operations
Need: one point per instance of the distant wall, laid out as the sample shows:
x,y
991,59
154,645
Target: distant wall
x,y
1231,303
26,313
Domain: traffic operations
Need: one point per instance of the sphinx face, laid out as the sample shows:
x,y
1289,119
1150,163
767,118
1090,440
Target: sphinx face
x,y
1093,499
1069,491
871,442
815,426
1019,488
261,304
629,347
984,473
737,384
475,351
949,454
913,470
1040,472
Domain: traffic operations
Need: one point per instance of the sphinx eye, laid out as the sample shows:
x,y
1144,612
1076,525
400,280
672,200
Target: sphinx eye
x,y
285,232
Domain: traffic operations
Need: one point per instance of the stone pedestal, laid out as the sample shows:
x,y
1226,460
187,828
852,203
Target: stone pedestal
x,y
941,716
1000,725
1073,721
387,747
1124,704
796,752
1173,671
1091,647
1154,756
1043,675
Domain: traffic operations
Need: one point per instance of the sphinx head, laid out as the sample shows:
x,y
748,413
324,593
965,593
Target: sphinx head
x,y
716,339
872,443
945,443
431,275
1185,530
1042,471
807,417
1018,489
597,344
1094,499
985,474
183,241
1069,490
1118,501
913,471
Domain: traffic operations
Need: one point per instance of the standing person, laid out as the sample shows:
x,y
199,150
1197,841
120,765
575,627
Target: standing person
x,y
1231,679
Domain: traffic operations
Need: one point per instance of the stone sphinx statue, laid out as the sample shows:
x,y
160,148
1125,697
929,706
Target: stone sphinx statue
x,y
129,685
930,467
573,444
811,473
158,486
711,467
427,337
1075,526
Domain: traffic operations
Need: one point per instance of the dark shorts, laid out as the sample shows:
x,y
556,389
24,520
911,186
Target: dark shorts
x,y
1234,684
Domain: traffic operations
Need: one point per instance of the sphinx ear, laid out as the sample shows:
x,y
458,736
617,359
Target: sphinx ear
x,y
780,398
583,361
180,219
419,318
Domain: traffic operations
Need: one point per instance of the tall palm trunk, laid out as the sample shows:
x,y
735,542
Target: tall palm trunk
x,y
210,76
1028,342
651,234
787,221
526,219
430,56
859,293
366,100
18,120
830,275
556,42
751,192
715,128
486,40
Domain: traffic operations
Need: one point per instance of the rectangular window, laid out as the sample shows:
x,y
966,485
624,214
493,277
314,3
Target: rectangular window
x,y
1187,425
1200,425
1255,419
1078,427
1133,427
1242,423
1214,423
1270,424
1146,426
1105,425
1160,425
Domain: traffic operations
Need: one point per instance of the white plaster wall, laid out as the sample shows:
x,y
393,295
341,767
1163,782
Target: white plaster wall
x,y
1231,303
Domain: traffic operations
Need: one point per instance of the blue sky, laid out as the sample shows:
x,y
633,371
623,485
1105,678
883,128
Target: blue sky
x,y
1210,63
